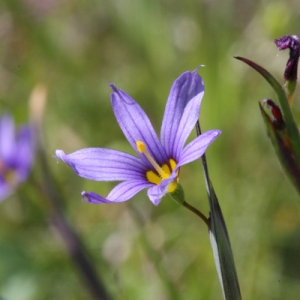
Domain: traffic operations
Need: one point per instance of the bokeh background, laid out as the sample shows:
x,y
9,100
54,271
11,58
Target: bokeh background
x,y
75,48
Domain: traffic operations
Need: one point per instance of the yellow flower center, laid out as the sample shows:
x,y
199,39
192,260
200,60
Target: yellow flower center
x,y
161,172
7,174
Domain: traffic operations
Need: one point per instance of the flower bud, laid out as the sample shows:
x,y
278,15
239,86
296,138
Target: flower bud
x,y
290,73
277,121
291,42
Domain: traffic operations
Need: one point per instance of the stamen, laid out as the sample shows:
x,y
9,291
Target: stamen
x,y
172,164
153,177
143,149
163,172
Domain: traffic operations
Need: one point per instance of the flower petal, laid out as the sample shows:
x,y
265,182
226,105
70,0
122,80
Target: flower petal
x,y
197,147
181,112
103,164
136,125
122,192
24,153
156,192
7,139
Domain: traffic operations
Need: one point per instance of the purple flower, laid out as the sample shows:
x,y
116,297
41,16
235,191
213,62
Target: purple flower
x,y
291,42
16,155
158,162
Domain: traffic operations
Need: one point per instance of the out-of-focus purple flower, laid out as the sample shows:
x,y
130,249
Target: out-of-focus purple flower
x,y
16,154
158,162
291,42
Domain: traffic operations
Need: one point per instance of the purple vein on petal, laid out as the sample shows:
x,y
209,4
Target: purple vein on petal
x,y
136,126
185,88
197,147
187,123
104,164
120,193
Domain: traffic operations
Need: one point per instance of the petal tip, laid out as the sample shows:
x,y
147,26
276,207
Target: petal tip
x,y
60,154
156,202
214,134
155,193
93,198
113,87
84,196
197,69
217,132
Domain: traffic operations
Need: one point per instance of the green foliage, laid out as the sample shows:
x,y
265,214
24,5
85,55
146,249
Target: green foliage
x,y
76,48
222,250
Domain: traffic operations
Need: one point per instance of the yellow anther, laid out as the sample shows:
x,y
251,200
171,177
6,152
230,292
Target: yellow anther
x,y
141,146
10,178
153,177
166,170
8,174
163,172
172,164
172,187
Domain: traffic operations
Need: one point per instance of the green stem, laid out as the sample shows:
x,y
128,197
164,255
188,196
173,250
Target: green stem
x,y
197,212
204,164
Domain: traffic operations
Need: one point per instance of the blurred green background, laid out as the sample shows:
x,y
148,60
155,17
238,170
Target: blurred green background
x,y
76,48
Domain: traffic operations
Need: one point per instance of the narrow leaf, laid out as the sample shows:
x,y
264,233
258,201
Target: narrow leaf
x,y
219,240
221,247
291,126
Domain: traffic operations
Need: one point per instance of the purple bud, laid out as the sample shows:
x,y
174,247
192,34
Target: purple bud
x,y
278,121
291,42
